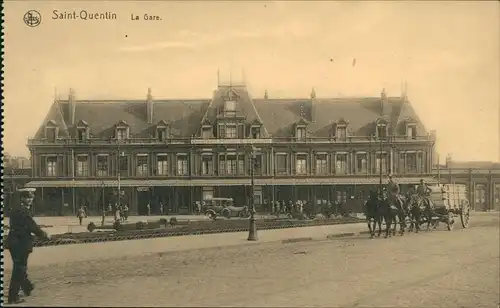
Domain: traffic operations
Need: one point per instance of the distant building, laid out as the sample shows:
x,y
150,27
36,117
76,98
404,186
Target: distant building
x,y
181,151
13,179
16,162
482,179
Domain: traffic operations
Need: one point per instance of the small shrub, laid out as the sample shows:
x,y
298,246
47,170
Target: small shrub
x,y
163,222
173,221
140,225
91,226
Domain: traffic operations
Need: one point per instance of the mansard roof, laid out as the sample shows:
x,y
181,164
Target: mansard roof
x,y
278,116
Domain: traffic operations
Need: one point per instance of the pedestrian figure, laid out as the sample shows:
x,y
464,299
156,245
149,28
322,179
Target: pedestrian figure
x,y
110,209
117,213
125,212
81,214
162,208
20,245
148,207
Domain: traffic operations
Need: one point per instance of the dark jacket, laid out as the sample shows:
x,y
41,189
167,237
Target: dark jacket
x,y
22,228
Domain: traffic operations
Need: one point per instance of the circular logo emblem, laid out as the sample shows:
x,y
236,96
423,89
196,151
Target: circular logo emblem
x,y
32,18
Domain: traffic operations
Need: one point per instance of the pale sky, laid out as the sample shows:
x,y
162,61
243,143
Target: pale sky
x,y
448,52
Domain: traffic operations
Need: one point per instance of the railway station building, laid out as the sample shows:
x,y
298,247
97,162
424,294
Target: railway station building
x,y
181,151
481,178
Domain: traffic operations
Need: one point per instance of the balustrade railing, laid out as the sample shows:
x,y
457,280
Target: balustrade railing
x,y
207,141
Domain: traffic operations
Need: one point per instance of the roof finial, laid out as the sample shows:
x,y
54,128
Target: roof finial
x,y
313,93
265,94
218,77
149,94
302,111
230,75
383,94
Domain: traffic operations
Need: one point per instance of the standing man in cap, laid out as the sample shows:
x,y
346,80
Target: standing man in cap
x,y
20,245
394,191
423,191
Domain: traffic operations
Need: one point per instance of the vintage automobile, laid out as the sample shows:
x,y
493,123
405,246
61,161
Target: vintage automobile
x,y
224,207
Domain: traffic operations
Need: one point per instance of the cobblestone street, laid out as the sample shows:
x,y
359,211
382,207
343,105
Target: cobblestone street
x,y
432,269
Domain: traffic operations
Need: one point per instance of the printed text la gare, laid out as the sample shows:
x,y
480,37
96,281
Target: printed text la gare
x,y
144,17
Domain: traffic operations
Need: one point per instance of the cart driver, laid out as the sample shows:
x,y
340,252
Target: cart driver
x,y
423,191
393,191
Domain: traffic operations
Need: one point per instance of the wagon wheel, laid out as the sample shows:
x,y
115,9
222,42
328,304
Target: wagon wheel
x,y
450,221
464,214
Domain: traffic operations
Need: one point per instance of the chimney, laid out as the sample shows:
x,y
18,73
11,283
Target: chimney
x,y
383,102
265,95
404,91
149,107
313,105
449,160
72,106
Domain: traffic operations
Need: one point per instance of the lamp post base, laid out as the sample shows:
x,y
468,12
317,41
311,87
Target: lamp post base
x,y
103,218
252,232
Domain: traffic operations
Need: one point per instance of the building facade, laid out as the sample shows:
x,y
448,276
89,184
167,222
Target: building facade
x,y
181,151
482,180
12,180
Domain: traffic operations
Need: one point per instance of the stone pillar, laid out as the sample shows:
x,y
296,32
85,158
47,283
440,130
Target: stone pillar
x,y
391,161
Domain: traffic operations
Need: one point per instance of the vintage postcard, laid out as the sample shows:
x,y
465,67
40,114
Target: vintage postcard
x,y
251,153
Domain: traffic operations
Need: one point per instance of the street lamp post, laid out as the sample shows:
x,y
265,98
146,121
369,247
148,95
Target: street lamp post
x,y
103,218
252,232
119,190
380,162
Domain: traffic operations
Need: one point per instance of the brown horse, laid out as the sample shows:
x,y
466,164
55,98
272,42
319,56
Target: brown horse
x,y
421,212
372,214
398,211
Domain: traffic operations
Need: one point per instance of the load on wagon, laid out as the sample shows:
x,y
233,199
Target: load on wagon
x,y
450,201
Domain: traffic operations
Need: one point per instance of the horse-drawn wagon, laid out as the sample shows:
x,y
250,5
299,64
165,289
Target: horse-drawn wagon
x,y
449,201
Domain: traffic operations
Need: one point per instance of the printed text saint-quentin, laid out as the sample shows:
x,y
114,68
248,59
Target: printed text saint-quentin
x,y
84,15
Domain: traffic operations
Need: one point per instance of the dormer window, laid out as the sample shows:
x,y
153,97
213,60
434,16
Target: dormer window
x,y
207,129
341,129
255,129
207,132
381,128
411,131
81,134
341,132
301,129
51,131
122,131
161,134
255,132
231,131
162,131
411,128
82,131
301,133
230,108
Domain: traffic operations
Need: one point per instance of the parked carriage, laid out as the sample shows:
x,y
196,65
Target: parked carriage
x,y
450,201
